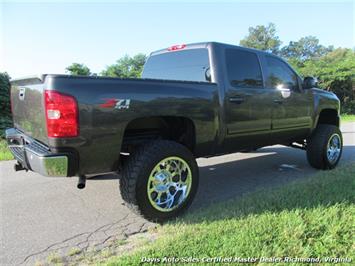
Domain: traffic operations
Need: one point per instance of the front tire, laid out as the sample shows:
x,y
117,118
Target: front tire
x,y
159,180
324,148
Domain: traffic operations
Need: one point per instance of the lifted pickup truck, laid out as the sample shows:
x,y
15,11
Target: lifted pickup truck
x,y
195,100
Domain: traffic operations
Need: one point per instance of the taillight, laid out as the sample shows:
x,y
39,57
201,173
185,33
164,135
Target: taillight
x,y
61,115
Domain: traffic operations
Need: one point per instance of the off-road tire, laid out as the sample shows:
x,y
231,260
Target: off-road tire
x,y
137,169
317,146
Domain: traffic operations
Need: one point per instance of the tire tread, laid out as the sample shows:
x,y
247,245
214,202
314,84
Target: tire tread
x,y
137,162
316,146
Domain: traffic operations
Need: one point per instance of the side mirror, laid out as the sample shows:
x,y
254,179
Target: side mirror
x,y
310,82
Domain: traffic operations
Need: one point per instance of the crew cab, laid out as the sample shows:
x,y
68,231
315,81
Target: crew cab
x,y
195,100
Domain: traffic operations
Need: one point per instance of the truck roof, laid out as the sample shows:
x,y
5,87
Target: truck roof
x,y
202,45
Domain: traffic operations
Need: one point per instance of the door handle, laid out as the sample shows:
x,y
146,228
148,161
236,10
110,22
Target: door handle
x,y
278,101
237,100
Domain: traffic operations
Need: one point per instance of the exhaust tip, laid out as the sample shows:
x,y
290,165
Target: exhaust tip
x,y
81,182
81,185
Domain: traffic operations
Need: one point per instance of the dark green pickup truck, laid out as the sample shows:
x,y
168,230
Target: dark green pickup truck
x,y
195,100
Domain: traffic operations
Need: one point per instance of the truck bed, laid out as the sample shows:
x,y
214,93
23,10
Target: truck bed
x,y
103,124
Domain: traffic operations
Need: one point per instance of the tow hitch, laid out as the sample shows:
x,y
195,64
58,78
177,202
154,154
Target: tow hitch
x,y
19,167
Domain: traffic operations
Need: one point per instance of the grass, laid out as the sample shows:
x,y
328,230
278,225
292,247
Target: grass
x,y
347,118
74,251
5,153
121,242
54,259
306,219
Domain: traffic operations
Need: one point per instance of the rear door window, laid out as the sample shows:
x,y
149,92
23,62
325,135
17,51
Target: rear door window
x,y
243,69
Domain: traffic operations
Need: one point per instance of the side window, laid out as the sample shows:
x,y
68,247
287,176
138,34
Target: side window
x,y
279,75
243,69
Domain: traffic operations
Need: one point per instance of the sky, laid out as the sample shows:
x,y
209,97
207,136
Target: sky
x,y
47,36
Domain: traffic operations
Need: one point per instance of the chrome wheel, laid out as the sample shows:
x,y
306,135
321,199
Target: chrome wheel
x,y
333,148
169,184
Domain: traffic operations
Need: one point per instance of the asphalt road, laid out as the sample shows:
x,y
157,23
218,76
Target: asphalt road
x,y
43,215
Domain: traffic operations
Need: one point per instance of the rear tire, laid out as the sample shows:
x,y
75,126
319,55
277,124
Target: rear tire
x,y
159,180
324,148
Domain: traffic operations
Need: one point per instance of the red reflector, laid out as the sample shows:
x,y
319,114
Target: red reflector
x,y
61,115
177,47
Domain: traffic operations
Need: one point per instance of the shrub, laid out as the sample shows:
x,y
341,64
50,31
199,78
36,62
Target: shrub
x,y
348,108
5,106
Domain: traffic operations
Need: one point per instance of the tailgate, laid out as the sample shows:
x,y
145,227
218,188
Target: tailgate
x,y
28,107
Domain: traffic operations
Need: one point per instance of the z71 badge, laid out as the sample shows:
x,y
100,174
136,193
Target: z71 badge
x,y
116,103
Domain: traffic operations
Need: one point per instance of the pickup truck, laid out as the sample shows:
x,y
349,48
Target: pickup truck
x,y
195,100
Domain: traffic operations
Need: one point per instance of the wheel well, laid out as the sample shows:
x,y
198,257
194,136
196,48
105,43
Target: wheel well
x,y
140,130
329,116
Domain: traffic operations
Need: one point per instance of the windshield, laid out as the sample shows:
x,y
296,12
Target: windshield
x,y
189,65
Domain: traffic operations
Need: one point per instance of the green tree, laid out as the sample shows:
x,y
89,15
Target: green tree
x,y
263,38
336,72
78,70
126,67
336,65
305,48
5,106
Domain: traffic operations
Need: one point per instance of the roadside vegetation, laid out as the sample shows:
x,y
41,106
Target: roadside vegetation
x,y
309,218
5,107
5,153
5,115
347,118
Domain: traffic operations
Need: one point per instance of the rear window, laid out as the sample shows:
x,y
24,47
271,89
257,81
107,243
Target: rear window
x,y
190,65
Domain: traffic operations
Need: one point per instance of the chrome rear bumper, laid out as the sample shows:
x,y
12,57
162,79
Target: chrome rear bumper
x,y
34,156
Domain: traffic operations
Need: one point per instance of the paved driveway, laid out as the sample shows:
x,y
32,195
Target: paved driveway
x,y
41,215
